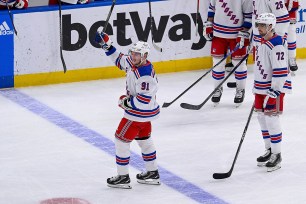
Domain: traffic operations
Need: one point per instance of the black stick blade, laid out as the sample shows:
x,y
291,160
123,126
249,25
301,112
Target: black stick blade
x,y
231,84
221,175
190,106
165,105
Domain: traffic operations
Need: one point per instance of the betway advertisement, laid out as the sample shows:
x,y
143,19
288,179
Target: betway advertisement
x,y
37,45
301,25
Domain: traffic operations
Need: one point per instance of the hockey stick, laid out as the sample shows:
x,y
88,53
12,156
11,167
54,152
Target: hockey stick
x,y
197,16
61,34
233,84
109,15
165,105
151,21
198,107
11,17
228,174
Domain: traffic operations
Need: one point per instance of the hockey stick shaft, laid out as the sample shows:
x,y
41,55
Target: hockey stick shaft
x,y
61,35
151,27
11,17
228,174
197,16
165,105
109,15
197,107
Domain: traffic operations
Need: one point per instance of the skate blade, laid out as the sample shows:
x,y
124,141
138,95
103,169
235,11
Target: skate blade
x,y
270,169
149,181
216,104
292,73
123,186
261,164
237,105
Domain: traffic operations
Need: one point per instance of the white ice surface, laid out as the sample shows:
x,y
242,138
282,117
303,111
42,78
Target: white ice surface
x,y
39,160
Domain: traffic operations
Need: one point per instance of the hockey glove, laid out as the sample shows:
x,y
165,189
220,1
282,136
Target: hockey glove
x,y
103,40
124,102
208,30
20,4
270,101
243,39
292,5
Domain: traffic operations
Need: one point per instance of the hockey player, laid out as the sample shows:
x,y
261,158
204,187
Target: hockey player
x,y
278,9
140,108
292,6
18,4
228,24
271,82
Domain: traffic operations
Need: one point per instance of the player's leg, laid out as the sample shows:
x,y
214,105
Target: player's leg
x,y
124,135
263,159
148,150
274,128
240,73
292,39
218,49
292,47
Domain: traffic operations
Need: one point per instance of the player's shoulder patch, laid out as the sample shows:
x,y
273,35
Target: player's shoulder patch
x,y
145,70
277,40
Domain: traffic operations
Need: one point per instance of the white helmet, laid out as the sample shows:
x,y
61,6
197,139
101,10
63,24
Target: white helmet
x,y
141,47
266,18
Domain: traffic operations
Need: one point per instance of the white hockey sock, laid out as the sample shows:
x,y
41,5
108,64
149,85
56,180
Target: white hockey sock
x,y
264,130
240,74
292,41
122,156
148,153
218,72
274,127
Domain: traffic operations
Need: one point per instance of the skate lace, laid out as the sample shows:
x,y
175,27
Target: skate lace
x,y
218,92
273,158
144,173
115,178
266,153
292,61
239,93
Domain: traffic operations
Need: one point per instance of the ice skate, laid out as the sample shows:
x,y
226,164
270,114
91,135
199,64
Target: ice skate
x,y
292,64
262,160
149,177
217,96
229,67
239,97
274,162
120,181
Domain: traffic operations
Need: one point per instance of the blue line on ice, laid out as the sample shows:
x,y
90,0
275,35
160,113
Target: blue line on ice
x,y
96,139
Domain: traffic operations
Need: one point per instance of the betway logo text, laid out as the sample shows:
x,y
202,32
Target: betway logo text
x,y
178,32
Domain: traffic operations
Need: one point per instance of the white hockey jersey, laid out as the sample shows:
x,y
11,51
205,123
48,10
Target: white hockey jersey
x,y
230,16
271,66
141,87
277,7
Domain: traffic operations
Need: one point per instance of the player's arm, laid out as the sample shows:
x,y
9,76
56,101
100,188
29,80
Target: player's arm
x,y
208,25
122,61
280,11
243,37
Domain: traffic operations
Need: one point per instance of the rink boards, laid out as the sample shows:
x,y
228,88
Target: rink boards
x,y
33,57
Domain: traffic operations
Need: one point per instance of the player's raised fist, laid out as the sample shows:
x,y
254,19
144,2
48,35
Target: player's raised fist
x,y
103,40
